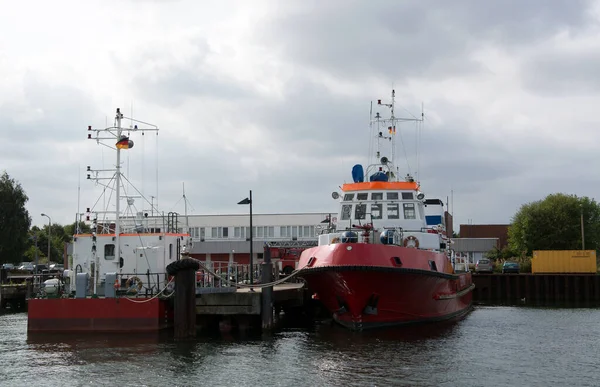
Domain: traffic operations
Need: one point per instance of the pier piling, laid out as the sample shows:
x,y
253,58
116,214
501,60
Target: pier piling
x,y
184,271
267,293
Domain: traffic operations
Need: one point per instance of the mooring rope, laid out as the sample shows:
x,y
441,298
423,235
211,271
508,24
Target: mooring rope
x,y
153,297
260,286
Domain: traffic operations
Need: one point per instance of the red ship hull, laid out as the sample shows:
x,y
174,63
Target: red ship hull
x,y
97,315
370,285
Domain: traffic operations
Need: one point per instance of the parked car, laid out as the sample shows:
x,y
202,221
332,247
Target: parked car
x,y
26,266
8,266
510,267
484,265
57,267
40,267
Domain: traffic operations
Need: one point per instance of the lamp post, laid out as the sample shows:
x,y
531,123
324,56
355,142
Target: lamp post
x,y
49,227
582,233
248,200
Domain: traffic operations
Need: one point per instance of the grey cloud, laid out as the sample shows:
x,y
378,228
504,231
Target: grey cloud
x,y
49,113
168,81
402,39
562,72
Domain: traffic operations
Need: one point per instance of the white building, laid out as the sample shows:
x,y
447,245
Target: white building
x,y
226,237
473,248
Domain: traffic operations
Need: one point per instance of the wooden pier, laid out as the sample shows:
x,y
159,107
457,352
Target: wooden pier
x,y
245,301
566,290
231,308
15,289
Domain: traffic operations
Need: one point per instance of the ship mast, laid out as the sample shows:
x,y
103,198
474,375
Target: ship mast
x,y
110,134
119,117
391,135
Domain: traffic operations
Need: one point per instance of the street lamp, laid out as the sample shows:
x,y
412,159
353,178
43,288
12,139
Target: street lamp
x,y
582,233
248,200
49,227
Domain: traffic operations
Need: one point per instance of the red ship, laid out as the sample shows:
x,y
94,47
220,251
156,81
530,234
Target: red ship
x,y
387,259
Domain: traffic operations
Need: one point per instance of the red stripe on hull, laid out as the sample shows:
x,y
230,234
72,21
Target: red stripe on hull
x,y
363,289
97,315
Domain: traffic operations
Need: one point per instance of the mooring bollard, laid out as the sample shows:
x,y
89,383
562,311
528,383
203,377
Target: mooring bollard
x,y
184,271
266,309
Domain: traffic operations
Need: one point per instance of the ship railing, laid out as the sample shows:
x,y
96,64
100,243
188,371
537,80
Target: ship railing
x,y
400,233
146,284
218,274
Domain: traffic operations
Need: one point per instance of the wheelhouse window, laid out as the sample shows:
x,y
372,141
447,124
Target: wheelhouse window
x,y
109,252
360,211
362,196
346,211
376,212
348,197
392,211
377,196
409,211
392,196
407,196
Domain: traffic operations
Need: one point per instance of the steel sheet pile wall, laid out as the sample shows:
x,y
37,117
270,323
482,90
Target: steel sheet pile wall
x,y
564,261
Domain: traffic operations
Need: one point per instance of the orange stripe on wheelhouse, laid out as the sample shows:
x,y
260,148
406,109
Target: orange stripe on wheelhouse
x,y
385,185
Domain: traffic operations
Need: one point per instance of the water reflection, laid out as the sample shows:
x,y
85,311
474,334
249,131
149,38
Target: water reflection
x,y
491,346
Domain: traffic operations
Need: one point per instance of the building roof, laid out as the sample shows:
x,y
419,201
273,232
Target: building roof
x,y
476,245
499,231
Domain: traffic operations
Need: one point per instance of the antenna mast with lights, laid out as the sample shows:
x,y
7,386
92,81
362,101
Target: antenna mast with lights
x,y
113,137
385,130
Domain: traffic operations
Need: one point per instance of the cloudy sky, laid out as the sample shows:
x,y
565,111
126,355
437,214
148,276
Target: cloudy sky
x,y
274,96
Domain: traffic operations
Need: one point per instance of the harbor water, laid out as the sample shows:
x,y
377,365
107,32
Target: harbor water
x,y
492,346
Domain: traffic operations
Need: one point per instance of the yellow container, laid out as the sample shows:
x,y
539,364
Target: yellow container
x,y
564,261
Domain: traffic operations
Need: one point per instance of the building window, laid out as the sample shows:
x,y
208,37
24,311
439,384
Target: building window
x,y
109,252
219,232
346,211
409,211
376,211
407,196
393,211
259,232
306,232
202,233
284,232
360,212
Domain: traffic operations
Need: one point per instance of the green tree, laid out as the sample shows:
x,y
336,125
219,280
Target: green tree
x,y
497,254
70,229
14,220
555,224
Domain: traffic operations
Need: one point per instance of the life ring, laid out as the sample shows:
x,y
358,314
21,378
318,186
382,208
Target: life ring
x,y
411,238
132,283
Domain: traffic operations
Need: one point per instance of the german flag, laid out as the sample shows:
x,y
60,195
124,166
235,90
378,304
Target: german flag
x,y
124,143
